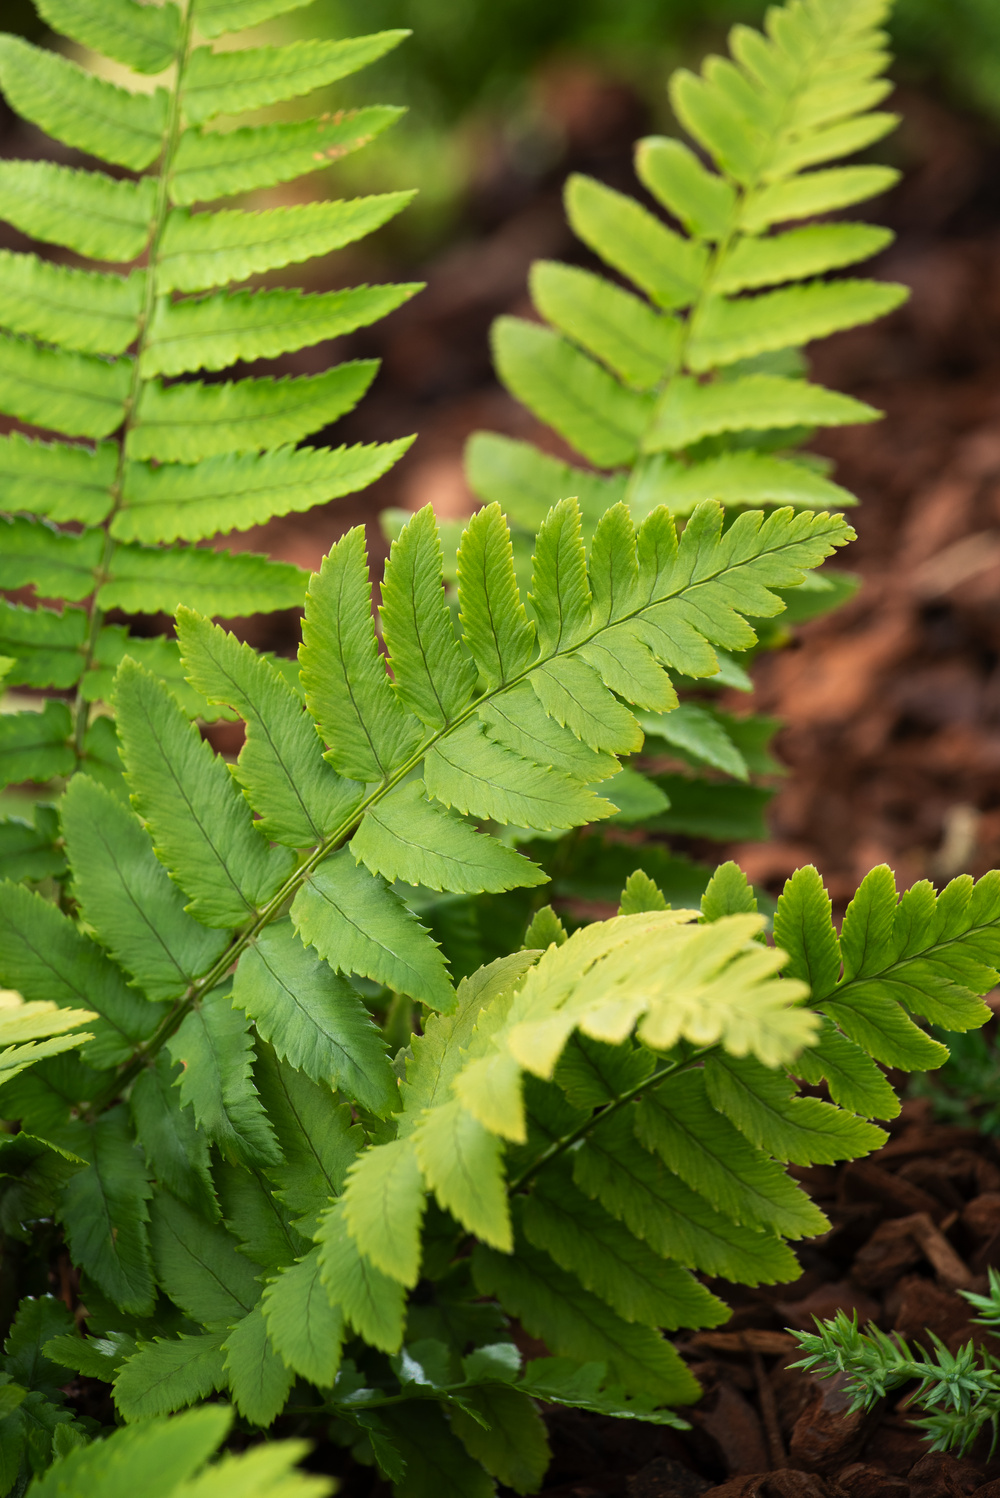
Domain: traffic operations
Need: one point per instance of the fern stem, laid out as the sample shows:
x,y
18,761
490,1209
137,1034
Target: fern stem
x,y
171,136
560,1146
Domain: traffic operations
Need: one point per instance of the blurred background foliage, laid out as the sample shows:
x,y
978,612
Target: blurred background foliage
x,y
478,75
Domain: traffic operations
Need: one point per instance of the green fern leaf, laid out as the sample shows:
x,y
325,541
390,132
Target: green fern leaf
x,y
214,1048
259,1380
84,211
149,580
74,393
257,1219
737,479
217,17
28,850
803,926
571,691
213,164
167,1374
104,1214
313,1018
690,411
383,1207
686,981
369,732
501,1428
552,1305
176,1150
299,799
213,332
613,568
305,1329
262,1472
187,422
199,1265
637,344
670,269
762,1105
494,624
586,405
704,203
234,491
159,1457
84,111
318,1141
429,1459
461,1161
159,655
127,897
405,836
560,593
430,675
44,957
35,746
798,253
589,1072
626,665
373,1303
61,480
202,251
58,564
141,38
230,82
816,192
699,733
527,483
359,925
519,722
479,777
677,1121
726,331
93,314
675,1221
226,868
854,1080
619,1268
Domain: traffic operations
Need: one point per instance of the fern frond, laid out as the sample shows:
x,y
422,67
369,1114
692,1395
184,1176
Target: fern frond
x,y
87,352
923,954
692,360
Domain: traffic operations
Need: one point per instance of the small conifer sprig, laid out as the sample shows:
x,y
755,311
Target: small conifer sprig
x,y
112,346
958,1392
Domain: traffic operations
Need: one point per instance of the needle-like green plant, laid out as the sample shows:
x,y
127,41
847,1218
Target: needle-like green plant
x,y
959,1392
